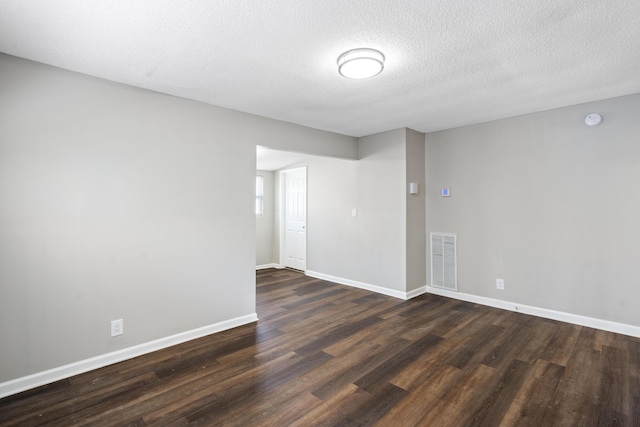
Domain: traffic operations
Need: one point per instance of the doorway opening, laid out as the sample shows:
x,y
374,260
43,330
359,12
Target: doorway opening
x,y
273,248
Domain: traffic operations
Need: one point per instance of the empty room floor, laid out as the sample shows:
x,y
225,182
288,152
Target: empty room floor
x,y
324,354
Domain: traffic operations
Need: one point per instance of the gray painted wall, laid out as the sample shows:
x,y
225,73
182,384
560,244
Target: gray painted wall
x,y
416,226
381,224
331,231
546,203
117,202
370,248
265,238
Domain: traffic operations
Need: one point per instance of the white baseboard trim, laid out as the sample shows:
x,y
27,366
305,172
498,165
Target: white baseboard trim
x,y
367,286
265,266
41,378
591,322
416,292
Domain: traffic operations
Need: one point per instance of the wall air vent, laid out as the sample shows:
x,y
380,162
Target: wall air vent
x,y
444,273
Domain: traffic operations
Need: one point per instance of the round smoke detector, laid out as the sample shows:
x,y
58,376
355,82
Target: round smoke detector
x,y
593,119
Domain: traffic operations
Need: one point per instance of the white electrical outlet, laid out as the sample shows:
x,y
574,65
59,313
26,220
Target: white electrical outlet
x,y
117,327
500,284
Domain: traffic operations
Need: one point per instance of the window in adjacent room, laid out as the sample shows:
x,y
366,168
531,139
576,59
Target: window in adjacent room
x,y
259,195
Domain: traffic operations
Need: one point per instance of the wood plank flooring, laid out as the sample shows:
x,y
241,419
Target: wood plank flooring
x,y
323,354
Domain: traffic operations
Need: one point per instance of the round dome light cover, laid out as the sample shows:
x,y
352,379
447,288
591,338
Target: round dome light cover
x,y
360,63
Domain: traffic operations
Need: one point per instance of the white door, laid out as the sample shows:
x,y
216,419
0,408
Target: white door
x,y
295,210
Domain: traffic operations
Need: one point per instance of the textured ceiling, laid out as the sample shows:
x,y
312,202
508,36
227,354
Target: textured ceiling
x,y
449,62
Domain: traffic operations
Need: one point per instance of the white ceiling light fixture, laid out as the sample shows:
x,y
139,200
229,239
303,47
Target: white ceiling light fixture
x,y
360,63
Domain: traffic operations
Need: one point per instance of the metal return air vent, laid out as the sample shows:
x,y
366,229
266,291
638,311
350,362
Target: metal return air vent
x,y
444,272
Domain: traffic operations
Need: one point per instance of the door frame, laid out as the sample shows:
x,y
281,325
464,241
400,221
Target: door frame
x,y
282,228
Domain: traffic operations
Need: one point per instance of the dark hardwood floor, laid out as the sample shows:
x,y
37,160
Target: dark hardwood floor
x,y
328,355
